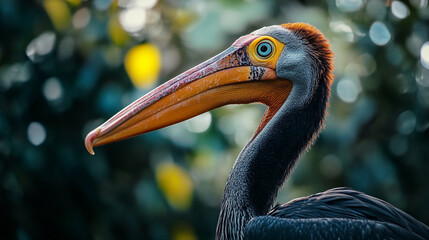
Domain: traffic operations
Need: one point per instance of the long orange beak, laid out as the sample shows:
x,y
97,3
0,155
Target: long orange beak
x,y
228,78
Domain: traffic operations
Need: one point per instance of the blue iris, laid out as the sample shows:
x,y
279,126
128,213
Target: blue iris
x,y
264,49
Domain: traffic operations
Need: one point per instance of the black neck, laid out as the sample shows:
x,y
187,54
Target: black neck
x,y
266,161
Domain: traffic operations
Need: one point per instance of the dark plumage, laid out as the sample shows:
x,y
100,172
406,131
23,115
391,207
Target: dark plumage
x,y
339,212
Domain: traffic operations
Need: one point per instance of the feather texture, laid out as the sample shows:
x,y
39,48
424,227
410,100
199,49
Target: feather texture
x,y
348,209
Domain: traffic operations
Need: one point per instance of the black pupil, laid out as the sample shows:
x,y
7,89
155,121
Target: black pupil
x,y
264,49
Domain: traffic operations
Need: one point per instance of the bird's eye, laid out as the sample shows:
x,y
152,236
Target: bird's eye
x,y
264,49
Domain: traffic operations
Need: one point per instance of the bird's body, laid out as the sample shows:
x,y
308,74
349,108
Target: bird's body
x,y
289,68
339,213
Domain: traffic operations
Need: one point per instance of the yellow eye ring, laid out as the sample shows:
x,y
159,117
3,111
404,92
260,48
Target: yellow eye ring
x,y
269,51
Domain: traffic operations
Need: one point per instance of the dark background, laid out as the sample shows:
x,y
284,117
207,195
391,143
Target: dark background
x,y
62,73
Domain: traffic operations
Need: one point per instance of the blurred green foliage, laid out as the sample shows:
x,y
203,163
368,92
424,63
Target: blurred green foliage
x,y
62,73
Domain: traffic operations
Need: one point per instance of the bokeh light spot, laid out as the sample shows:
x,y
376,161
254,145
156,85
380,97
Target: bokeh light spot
x,y
424,55
16,73
176,184
58,12
74,2
81,18
349,5
41,46
143,63
199,123
146,3
379,33
400,10
133,19
52,89
36,133
406,122
342,28
348,90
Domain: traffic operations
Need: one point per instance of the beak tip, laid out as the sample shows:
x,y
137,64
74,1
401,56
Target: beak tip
x,y
89,139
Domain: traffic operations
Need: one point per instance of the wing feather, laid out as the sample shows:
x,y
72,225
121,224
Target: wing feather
x,y
341,211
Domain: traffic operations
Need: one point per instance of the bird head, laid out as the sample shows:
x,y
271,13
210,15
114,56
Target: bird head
x,y
264,66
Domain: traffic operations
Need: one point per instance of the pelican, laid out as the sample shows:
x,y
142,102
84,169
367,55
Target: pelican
x,y
289,68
